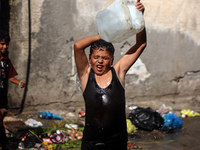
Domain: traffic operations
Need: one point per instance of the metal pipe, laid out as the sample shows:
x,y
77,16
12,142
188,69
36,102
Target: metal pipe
x,y
29,59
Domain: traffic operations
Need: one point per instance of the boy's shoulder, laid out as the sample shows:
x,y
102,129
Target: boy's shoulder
x,y
5,62
5,59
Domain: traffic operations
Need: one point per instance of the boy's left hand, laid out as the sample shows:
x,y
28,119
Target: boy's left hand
x,y
140,6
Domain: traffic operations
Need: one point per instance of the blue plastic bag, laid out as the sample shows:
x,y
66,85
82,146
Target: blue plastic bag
x,y
48,115
170,120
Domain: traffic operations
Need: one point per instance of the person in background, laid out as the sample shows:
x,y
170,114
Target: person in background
x,y
102,84
7,72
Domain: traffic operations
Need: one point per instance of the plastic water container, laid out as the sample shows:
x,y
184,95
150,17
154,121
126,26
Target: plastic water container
x,y
119,21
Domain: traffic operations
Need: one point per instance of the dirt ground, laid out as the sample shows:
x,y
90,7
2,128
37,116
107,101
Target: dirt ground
x,y
186,138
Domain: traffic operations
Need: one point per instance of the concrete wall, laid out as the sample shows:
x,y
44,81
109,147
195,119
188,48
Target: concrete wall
x,y
167,72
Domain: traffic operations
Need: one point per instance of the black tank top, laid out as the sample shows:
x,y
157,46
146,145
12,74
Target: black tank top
x,y
105,119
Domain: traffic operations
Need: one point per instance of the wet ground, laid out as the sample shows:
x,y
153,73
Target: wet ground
x,y
186,138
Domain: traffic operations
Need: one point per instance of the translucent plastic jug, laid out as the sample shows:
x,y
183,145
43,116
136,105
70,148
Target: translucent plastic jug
x,y
119,21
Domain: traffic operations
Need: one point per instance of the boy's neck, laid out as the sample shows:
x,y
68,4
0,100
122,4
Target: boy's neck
x,y
104,80
3,56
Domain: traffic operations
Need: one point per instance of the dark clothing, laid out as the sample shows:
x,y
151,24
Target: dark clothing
x,y
3,138
6,71
105,119
104,146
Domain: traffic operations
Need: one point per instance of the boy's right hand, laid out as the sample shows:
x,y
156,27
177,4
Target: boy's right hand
x,y
22,84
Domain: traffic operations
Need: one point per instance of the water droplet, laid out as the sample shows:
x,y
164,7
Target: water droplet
x,y
104,99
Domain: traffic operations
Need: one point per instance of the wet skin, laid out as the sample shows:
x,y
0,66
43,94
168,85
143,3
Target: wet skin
x,y
101,61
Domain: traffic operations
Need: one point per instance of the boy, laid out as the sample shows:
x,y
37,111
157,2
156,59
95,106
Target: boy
x,y
103,90
7,72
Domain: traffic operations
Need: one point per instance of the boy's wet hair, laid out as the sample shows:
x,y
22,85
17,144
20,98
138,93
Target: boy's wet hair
x,y
4,36
101,44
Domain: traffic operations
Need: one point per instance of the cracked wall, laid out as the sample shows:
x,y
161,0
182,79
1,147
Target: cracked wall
x,y
166,72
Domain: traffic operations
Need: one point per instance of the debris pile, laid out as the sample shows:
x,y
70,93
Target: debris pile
x,y
47,131
47,134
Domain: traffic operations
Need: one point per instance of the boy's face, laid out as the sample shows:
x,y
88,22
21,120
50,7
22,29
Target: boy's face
x,y
3,47
101,61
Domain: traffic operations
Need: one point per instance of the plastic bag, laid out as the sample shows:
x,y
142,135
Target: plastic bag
x,y
48,115
119,21
165,109
33,123
189,113
130,127
170,120
146,119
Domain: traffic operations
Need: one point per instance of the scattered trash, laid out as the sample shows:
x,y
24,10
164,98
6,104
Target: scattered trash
x,y
50,147
33,123
57,138
132,107
171,123
37,145
25,136
189,113
133,146
130,127
81,114
164,110
21,145
70,115
146,118
29,142
71,126
74,134
59,134
48,115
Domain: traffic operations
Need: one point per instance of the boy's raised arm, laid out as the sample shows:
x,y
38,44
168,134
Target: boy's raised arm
x,y
79,53
123,65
